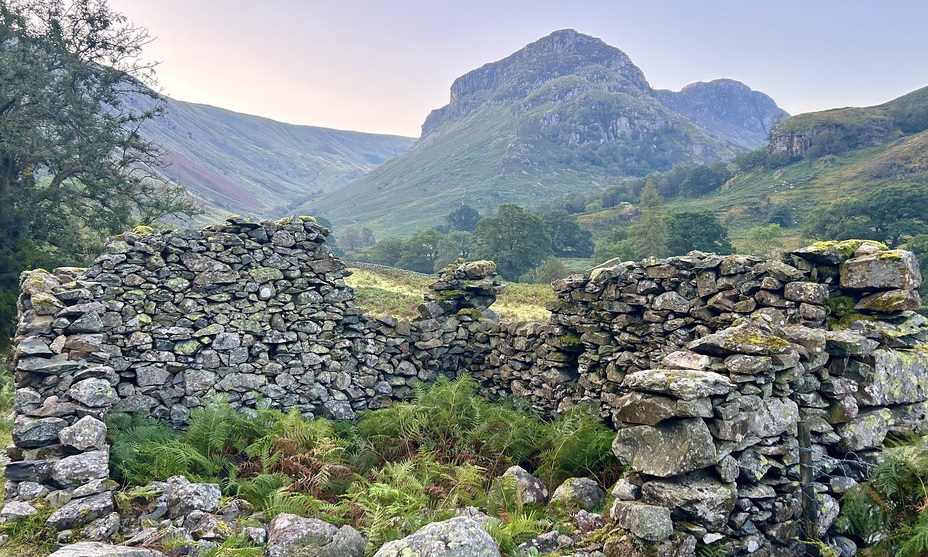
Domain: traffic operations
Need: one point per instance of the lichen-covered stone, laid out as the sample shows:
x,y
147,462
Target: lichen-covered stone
x,y
667,449
88,433
582,493
680,383
887,270
457,537
80,512
97,549
530,488
897,377
695,498
648,522
866,431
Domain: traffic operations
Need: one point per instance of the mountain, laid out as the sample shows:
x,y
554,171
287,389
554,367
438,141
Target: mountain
x,y
812,161
564,113
249,165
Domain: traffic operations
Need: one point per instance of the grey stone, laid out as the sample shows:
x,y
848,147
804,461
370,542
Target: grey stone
x,y
97,549
290,535
848,343
101,529
667,449
625,490
643,408
648,522
80,512
684,359
744,339
31,433
888,270
671,301
185,497
696,498
892,301
13,510
94,392
808,292
38,471
897,377
72,471
457,537
582,493
775,416
31,490
530,488
87,433
680,383
866,431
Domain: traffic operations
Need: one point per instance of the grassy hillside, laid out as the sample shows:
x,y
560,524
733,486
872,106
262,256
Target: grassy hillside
x,y
238,163
396,292
564,114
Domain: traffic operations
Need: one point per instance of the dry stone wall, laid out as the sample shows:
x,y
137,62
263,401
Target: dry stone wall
x,y
704,364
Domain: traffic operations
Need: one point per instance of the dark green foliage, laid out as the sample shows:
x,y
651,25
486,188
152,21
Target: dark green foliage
x,y
575,444
548,272
891,508
647,237
613,246
514,239
73,166
567,238
782,216
386,252
888,215
696,231
420,252
464,218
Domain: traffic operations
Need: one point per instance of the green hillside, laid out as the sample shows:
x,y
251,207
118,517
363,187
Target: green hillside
x,y
562,115
244,164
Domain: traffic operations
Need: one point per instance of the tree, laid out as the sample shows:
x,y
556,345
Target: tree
x,y
421,251
567,238
762,239
696,231
887,215
549,271
463,218
454,245
648,236
386,252
613,246
514,239
74,167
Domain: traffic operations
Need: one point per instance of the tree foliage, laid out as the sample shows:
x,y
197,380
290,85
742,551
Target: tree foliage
x,y
889,215
514,239
73,166
464,218
648,236
697,231
567,238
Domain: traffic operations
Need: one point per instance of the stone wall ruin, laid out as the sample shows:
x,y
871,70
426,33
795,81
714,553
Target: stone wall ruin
x,y
703,364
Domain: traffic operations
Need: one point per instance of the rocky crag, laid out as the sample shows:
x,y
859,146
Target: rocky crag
x,y
705,365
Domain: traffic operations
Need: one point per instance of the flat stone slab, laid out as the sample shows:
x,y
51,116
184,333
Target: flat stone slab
x,y
886,270
898,377
685,384
667,449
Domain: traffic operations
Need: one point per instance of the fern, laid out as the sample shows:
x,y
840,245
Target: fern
x,y
578,444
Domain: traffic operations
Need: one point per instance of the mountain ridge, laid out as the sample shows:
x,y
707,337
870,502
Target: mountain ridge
x,y
564,112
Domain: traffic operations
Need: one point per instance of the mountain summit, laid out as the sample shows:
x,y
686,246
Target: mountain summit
x,y
565,112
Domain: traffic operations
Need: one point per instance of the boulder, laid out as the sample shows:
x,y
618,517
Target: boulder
x,y
31,433
667,449
86,434
96,549
887,270
648,522
897,377
94,392
678,545
72,471
582,493
530,488
697,498
866,431
13,510
185,497
457,537
80,512
290,535
684,384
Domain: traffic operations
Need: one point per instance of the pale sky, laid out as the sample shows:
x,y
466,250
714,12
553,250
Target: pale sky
x,y
383,66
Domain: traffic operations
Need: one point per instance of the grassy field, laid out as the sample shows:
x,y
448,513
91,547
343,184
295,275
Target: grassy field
x,y
396,292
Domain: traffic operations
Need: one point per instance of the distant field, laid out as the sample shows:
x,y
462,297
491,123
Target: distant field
x,y
396,292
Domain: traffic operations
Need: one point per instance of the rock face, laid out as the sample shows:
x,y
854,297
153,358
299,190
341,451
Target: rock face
x,y
457,537
667,449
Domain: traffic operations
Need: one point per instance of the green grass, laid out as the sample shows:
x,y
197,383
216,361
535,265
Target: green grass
x,y
397,293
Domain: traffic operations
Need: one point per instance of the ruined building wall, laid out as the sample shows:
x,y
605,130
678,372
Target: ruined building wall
x,y
704,364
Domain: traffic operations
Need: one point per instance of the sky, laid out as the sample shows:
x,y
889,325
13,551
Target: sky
x,y
382,66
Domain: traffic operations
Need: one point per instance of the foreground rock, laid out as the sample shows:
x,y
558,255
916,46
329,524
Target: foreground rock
x,y
457,537
290,535
94,549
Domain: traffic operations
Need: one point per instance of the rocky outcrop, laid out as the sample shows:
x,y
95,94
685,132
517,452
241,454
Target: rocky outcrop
x,y
457,537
